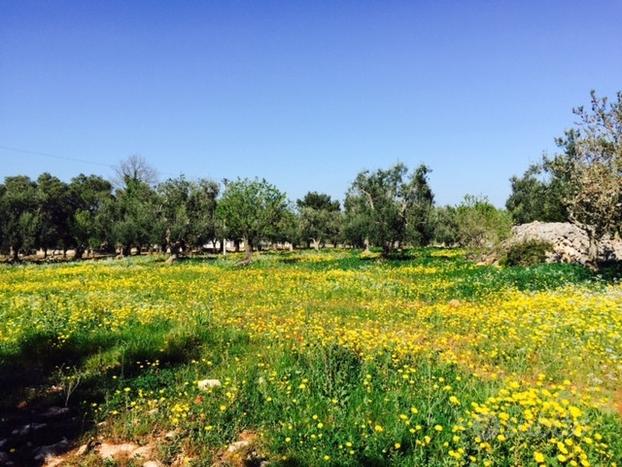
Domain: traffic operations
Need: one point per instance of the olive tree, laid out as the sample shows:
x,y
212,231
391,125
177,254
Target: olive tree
x,y
249,210
390,207
445,227
539,194
54,212
89,196
287,229
420,202
594,201
187,210
18,206
134,221
320,218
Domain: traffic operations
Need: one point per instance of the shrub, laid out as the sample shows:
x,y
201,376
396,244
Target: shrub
x,y
480,224
527,253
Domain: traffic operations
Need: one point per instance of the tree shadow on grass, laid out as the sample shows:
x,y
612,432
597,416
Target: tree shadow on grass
x,y
43,386
610,271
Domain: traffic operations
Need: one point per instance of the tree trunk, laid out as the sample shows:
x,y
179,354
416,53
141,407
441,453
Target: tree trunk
x,y
167,238
14,254
386,249
127,250
316,244
592,250
248,247
237,245
79,252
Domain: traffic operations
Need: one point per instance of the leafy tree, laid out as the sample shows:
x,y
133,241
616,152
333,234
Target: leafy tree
x,y
175,216
202,207
320,218
54,211
89,197
318,201
480,224
583,184
287,230
389,208
134,212
134,217
250,209
18,206
355,222
3,217
187,212
539,194
594,169
420,228
445,225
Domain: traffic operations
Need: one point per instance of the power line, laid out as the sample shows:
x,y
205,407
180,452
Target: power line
x,y
54,156
67,158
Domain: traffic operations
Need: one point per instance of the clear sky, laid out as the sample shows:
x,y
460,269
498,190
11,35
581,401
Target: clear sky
x,y
305,94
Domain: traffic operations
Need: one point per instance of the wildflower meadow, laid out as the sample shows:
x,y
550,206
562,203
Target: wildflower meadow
x,y
336,357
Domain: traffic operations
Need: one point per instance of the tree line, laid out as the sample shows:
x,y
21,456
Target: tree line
x,y
387,208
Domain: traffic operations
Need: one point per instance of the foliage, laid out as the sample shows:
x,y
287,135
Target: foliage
x,y
540,193
249,210
388,207
445,225
88,197
583,184
318,201
188,213
419,226
319,217
528,253
19,214
53,213
287,229
133,215
480,224
595,169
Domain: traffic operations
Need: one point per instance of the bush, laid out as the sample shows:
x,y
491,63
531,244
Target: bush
x,y
528,253
480,224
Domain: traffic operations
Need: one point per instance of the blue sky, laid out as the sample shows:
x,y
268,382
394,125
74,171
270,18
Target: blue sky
x,y
305,94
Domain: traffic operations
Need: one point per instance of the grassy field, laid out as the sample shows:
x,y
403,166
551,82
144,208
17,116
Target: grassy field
x,y
329,358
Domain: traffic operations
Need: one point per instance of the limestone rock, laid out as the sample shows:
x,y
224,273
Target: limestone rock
x,y
570,244
82,450
206,384
124,450
241,452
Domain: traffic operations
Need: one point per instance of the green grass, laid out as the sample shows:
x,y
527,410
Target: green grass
x,y
311,401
